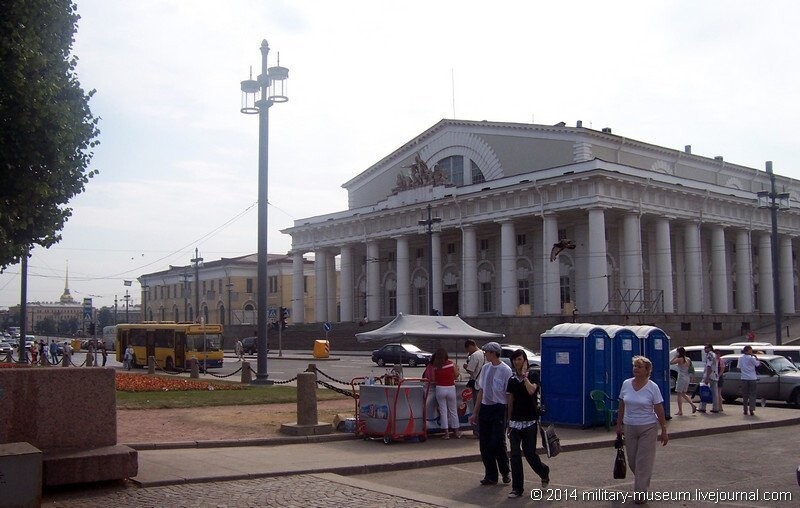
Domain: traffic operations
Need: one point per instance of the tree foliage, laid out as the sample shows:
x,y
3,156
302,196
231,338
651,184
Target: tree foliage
x,y
47,130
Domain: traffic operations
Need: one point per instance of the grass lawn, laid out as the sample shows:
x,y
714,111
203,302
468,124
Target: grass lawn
x,y
250,395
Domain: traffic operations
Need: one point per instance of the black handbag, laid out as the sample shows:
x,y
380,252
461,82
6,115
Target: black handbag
x,y
620,465
550,441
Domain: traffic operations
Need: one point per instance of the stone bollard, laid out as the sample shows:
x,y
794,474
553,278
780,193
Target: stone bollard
x,y
151,365
65,360
307,422
247,374
89,360
195,370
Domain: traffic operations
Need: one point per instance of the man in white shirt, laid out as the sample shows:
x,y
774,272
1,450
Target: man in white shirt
x,y
748,363
490,413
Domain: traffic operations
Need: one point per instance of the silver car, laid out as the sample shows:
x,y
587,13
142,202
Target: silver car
x,y
534,360
778,379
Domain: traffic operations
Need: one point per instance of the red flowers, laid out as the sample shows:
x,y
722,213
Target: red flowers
x,y
143,383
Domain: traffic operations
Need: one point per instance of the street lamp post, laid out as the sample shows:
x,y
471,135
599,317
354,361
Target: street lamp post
x,y
145,292
429,224
271,84
198,262
127,299
229,285
774,201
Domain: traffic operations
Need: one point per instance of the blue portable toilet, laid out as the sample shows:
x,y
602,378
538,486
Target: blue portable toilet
x,y
655,346
576,359
625,344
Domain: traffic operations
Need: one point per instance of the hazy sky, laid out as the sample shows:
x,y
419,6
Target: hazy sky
x,y
178,161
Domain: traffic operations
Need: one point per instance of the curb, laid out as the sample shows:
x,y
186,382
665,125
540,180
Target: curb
x,y
229,443
350,470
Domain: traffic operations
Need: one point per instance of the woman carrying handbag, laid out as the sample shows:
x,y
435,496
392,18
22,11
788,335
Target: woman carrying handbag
x,y
641,410
523,412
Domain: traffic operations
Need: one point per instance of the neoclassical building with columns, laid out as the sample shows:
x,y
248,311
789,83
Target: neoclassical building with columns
x,y
547,221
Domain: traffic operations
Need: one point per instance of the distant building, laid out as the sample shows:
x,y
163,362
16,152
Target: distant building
x,y
64,310
226,292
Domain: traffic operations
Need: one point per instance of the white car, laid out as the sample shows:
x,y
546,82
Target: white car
x,y
534,360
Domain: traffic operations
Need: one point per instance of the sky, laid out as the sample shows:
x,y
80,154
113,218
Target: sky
x,y
178,161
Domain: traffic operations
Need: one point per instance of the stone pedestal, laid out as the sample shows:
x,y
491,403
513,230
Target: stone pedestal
x,y
20,475
307,423
151,365
194,370
247,374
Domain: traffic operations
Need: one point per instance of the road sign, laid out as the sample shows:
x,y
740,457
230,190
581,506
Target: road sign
x,y
327,326
272,312
87,307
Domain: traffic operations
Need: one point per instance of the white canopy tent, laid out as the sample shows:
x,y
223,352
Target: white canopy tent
x,y
429,327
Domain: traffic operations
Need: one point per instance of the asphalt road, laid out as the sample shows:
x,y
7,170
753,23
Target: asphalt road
x,y
751,463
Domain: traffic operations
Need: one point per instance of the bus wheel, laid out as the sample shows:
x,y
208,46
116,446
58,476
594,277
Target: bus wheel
x,y
170,364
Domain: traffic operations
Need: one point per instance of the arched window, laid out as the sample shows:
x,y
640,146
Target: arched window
x,y
453,169
477,174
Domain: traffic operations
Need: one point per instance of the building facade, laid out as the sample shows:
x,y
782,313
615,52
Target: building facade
x,y
540,220
225,291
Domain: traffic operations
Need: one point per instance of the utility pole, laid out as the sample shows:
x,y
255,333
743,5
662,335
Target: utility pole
x,y
186,276
198,261
127,299
115,309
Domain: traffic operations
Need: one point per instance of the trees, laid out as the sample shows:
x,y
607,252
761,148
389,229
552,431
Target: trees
x,y
47,130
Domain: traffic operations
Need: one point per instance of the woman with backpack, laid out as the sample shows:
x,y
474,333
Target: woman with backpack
x,y
684,365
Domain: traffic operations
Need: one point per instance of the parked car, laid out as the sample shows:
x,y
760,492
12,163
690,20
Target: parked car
x,y
778,379
534,360
5,348
401,353
250,345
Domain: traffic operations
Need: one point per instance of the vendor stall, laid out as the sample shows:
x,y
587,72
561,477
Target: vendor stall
x,y
403,327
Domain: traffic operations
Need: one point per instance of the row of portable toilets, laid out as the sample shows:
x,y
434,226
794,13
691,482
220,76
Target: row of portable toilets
x,y
578,358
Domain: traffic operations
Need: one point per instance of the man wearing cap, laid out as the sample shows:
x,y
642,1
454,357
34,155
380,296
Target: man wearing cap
x,y
490,413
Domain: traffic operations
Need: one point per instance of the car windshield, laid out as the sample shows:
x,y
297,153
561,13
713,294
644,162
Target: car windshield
x,y
782,365
411,348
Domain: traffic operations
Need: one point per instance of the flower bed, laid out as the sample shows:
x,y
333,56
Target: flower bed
x,y
142,383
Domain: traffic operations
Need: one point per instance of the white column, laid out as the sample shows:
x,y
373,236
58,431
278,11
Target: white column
x,y
403,277
346,290
719,272
694,274
744,273
632,277
598,265
321,286
330,287
373,282
436,252
786,275
766,303
298,295
508,269
664,264
469,273
551,270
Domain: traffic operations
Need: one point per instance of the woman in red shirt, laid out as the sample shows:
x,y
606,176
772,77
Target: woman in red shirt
x,y
445,374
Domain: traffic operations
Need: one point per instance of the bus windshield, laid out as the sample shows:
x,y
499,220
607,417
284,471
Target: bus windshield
x,y
213,342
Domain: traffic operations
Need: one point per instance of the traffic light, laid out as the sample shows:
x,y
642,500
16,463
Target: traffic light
x,y
284,314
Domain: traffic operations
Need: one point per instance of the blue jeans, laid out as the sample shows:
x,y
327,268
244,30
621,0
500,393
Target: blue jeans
x,y
492,440
523,442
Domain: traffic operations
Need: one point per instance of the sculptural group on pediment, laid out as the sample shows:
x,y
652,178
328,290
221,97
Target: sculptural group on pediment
x,y
420,175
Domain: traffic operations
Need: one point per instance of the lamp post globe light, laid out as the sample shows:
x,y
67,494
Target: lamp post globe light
x,y
774,201
257,97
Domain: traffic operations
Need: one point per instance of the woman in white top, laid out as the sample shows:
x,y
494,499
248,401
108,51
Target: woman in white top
x,y
641,409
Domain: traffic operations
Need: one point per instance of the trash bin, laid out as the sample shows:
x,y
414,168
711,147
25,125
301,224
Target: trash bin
x,y
322,348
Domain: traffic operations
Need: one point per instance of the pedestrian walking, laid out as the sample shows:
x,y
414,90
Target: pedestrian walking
x,y
490,413
54,352
682,383
67,354
522,393
128,358
239,349
641,410
444,373
103,352
748,363
711,378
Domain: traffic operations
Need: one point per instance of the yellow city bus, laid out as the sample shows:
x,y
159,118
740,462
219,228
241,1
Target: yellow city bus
x,y
172,345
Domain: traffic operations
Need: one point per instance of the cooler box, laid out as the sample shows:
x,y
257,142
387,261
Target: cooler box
x,y
322,348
